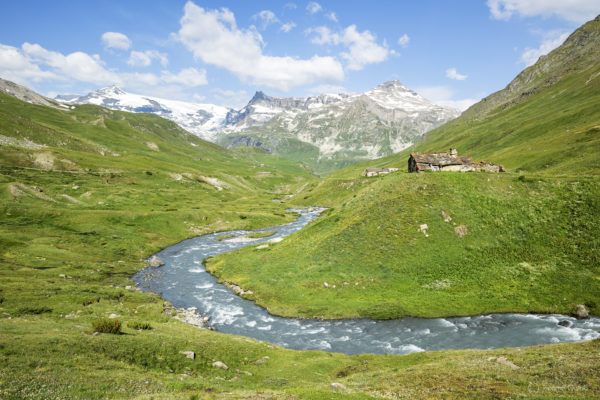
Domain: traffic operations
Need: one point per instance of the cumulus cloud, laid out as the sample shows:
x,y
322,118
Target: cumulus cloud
x,y
313,7
17,67
404,40
213,37
288,26
267,17
144,58
453,74
362,46
33,63
578,11
530,56
189,77
444,96
116,40
78,65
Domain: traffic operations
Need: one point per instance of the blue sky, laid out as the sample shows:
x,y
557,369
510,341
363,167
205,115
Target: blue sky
x,y
221,52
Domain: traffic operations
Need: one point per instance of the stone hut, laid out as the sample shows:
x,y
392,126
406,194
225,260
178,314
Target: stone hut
x,y
377,171
450,161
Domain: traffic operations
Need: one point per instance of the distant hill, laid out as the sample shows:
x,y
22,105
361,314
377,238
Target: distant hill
x,y
546,120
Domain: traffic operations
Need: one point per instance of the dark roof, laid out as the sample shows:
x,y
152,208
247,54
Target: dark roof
x,y
441,159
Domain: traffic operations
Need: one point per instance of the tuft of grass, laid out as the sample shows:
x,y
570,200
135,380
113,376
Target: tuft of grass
x,y
107,325
138,325
257,235
33,310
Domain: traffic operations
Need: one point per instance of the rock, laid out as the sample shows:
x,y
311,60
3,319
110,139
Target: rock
x,y
565,323
113,316
423,228
155,262
95,333
75,187
188,354
580,312
461,230
262,246
219,364
62,276
446,216
237,371
325,284
235,379
337,386
504,361
261,360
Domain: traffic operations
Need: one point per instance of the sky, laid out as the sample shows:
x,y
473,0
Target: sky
x,y
452,52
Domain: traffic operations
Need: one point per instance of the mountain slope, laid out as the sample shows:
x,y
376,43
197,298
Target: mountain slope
x,y
449,243
203,120
547,120
331,131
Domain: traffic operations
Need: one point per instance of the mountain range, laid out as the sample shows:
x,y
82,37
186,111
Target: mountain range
x,y
327,131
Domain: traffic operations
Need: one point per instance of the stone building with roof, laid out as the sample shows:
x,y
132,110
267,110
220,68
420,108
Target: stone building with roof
x,y
449,161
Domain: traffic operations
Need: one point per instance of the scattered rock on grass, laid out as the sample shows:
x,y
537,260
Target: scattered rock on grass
x,y
337,386
446,216
220,364
188,354
461,230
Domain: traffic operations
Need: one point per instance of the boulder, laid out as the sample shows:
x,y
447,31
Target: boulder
x,y
188,354
220,364
155,262
565,323
580,312
461,230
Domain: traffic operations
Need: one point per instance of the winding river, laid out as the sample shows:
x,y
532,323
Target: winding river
x,y
184,282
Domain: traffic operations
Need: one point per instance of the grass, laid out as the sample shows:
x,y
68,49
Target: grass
x,y
258,235
107,325
531,247
66,264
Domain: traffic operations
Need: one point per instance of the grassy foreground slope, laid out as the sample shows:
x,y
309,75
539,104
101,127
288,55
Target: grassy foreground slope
x,y
529,238
547,120
65,263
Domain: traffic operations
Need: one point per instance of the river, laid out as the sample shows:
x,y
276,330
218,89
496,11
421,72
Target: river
x,y
184,282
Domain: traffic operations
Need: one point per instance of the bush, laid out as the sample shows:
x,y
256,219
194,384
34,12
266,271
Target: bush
x,y
107,325
33,310
139,325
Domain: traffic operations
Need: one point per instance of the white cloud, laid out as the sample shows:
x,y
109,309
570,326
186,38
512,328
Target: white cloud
x,y
313,7
288,26
78,65
17,67
444,96
578,11
116,40
332,16
267,17
404,40
231,98
144,58
213,37
363,49
530,56
189,77
453,74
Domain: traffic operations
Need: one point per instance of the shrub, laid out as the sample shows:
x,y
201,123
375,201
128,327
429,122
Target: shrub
x,y
33,310
139,325
107,325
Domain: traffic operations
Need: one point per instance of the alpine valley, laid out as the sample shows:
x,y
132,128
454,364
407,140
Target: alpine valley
x,y
328,131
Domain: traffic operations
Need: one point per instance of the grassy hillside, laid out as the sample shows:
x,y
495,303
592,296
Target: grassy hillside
x,y
546,121
530,246
530,242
